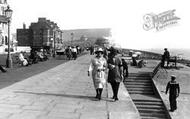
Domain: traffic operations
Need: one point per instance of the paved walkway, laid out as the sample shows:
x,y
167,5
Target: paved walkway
x,y
63,92
12,74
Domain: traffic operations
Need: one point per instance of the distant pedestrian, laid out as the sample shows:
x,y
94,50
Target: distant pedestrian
x,y
115,74
162,61
125,68
91,50
174,91
98,67
166,56
74,52
78,49
68,52
134,61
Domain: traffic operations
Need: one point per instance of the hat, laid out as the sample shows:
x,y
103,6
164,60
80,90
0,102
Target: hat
x,y
113,51
165,48
173,76
99,50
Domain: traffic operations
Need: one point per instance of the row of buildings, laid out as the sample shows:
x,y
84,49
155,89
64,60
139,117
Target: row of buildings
x,y
43,34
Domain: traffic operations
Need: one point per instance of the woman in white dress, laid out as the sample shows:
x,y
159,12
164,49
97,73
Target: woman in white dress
x,y
98,67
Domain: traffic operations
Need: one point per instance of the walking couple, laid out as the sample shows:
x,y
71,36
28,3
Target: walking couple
x,y
99,66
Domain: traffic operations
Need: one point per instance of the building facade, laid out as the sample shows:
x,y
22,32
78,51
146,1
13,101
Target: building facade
x,y
3,23
41,34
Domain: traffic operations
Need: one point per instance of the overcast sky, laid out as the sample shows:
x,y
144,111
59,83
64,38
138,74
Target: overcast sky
x,y
125,17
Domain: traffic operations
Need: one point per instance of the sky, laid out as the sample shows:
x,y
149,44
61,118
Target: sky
x,y
124,17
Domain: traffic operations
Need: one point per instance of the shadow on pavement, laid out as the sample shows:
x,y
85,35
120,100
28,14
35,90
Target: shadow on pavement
x,y
92,98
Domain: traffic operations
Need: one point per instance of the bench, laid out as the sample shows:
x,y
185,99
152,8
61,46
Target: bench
x,y
60,53
174,60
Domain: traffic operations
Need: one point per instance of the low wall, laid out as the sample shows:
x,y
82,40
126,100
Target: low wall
x,y
156,89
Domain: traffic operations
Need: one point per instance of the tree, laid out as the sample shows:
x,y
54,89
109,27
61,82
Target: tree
x,y
101,41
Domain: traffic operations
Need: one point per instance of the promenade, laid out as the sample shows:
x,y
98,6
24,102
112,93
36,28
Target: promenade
x,y
63,92
66,92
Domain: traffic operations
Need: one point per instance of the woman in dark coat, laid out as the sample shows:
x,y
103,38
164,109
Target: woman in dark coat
x,y
115,74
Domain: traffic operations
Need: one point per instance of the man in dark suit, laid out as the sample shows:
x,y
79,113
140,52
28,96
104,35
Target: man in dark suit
x,y
115,74
174,91
166,56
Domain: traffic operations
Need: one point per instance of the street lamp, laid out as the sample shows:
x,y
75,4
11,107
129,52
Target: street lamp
x,y
54,33
53,39
8,15
72,37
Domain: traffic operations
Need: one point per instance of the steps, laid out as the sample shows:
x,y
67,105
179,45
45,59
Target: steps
x,y
140,88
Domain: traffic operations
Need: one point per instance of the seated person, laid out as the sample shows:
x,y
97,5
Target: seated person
x,y
40,56
45,54
33,57
23,61
141,63
134,61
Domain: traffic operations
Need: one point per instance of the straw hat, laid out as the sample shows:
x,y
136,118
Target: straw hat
x,y
99,50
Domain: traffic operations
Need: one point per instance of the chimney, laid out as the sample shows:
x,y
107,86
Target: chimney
x,y
41,19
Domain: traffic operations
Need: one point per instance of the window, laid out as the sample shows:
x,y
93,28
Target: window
x,y
3,10
6,40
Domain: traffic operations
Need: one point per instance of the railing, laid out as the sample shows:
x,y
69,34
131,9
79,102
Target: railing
x,y
156,69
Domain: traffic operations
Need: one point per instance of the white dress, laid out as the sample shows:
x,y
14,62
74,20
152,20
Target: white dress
x,y
22,59
98,67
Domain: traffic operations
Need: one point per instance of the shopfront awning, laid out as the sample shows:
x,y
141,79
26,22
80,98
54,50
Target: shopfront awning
x,y
3,19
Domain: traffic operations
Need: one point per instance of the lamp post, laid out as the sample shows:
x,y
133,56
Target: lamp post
x,y
53,39
8,14
72,37
54,43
